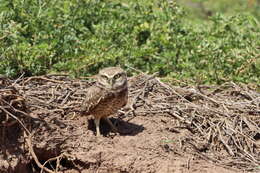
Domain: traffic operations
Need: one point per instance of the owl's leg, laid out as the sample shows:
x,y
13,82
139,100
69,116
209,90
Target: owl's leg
x,y
97,122
111,124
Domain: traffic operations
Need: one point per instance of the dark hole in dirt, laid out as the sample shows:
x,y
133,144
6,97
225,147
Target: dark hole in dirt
x,y
64,164
53,159
257,136
10,135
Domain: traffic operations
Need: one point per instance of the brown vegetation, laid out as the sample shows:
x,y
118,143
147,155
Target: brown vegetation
x,y
163,128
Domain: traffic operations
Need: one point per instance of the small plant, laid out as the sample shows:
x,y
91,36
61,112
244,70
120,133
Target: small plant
x,y
81,36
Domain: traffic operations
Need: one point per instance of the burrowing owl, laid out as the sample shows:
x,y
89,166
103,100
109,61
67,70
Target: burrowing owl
x,y
106,96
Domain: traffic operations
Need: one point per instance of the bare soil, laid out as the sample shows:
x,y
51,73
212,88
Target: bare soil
x,y
162,129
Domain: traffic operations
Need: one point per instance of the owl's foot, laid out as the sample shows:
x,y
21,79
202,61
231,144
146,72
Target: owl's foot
x,y
114,129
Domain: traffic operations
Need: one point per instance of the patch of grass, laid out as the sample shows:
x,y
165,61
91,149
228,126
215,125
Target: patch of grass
x,y
81,36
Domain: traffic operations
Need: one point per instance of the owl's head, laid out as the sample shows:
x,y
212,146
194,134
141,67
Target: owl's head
x,y
112,78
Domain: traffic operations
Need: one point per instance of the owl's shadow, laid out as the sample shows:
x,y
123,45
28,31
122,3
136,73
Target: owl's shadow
x,y
124,128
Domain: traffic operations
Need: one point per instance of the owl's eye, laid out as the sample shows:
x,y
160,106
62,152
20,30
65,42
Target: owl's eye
x,y
104,77
117,76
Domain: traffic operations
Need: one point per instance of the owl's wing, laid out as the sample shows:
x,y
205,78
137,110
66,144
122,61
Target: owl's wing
x,y
93,96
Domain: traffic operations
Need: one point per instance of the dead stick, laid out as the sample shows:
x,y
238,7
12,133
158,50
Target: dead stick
x,y
224,143
29,143
43,78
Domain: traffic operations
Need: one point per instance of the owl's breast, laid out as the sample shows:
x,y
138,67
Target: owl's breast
x,y
110,103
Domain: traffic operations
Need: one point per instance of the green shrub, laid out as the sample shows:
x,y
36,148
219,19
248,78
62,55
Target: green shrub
x,y
81,36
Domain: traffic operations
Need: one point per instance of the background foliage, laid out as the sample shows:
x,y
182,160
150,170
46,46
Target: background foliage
x,y
80,36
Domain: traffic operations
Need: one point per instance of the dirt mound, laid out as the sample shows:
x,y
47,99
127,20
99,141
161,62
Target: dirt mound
x,y
12,110
162,129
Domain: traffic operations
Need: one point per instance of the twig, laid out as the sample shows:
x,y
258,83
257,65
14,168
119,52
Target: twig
x,y
28,140
17,119
58,159
42,78
224,143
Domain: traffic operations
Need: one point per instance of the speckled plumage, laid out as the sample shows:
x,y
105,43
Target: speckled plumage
x,y
107,95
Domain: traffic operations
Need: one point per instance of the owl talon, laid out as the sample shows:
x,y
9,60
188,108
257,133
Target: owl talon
x,y
98,134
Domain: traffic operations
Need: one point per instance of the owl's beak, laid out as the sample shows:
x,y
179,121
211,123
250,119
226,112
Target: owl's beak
x,y
111,82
